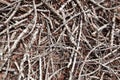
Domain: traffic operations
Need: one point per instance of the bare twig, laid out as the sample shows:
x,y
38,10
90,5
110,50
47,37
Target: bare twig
x,y
13,13
53,10
4,2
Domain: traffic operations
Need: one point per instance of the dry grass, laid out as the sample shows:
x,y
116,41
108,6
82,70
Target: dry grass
x,y
59,40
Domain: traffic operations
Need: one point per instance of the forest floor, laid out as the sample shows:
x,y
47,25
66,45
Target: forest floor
x,y
59,39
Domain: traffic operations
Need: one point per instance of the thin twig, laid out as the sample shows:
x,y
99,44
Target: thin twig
x,y
13,13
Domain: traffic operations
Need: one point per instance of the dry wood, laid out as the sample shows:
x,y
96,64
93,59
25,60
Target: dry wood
x,y
59,40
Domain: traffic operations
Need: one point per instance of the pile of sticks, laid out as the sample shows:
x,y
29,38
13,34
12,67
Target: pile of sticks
x,y
59,40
